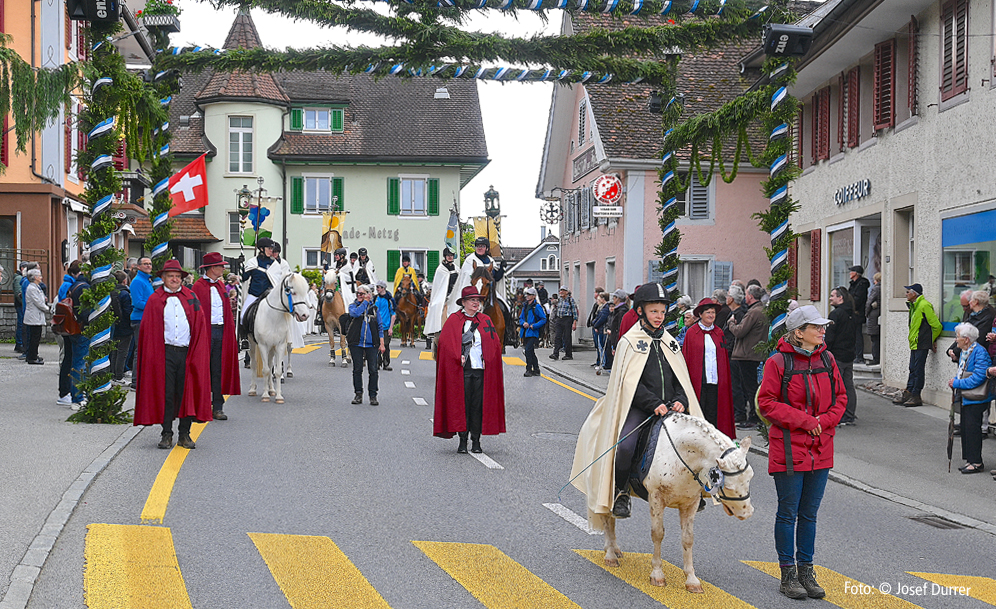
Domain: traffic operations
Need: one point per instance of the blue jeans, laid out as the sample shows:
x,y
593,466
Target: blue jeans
x,y
918,364
19,332
599,348
799,497
81,346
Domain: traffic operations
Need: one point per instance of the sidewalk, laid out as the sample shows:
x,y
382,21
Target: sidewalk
x,y
894,452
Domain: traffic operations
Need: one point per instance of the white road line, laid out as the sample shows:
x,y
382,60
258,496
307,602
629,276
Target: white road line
x,y
486,460
406,372
410,384
405,362
571,517
420,402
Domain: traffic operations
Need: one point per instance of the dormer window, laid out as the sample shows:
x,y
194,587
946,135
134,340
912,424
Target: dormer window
x,y
317,120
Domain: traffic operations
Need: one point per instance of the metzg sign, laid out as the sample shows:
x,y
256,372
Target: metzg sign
x,y
93,10
858,190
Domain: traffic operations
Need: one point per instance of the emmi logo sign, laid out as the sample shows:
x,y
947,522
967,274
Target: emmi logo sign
x,y
782,43
102,9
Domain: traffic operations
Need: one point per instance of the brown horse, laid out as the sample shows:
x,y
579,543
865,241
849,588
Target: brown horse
x,y
408,311
334,314
493,307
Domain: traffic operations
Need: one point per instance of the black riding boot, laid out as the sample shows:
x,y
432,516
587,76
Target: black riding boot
x,y
621,508
462,449
475,446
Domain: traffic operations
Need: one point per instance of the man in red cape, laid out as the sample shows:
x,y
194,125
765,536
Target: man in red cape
x,y
176,371
716,401
459,371
220,327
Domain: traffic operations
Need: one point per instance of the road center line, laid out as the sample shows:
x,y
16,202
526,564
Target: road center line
x,y
571,517
487,461
155,506
420,401
405,362
568,388
409,384
406,372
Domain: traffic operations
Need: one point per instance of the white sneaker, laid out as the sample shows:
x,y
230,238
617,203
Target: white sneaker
x,y
65,400
78,405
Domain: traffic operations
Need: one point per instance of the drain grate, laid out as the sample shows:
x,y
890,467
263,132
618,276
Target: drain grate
x,y
937,522
563,437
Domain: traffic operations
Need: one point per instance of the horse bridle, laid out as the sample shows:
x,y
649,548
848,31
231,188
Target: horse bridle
x,y
717,476
290,301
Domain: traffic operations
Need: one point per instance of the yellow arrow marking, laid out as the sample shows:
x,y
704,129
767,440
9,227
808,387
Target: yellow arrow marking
x,y
314,573
155,506
492,577
307,349
634,569
425,355
132,566
981,588
511,360
841,590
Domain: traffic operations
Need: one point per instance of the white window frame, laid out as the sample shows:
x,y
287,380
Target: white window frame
x,y
686,217
317,112
241,140
319,255
76,108
417,254
317,210
683,285
238,226
411,178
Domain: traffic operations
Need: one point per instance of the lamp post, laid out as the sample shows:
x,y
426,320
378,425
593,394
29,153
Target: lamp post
x,y
492,208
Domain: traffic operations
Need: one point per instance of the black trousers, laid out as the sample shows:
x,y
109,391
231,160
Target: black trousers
x,y
971,431
176,364
709,403
473,402
745,373
563,336
33,336
385,357
626,450
65,367
120,353
217,344
359,354
529,346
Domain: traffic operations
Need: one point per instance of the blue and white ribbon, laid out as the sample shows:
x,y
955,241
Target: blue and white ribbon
x,y
779,132
102,273
779,195
610,6
480,72
100,44
778,232
585,76
670,228
560,4
100,83
722,5
164,150
778,97
102,306
667,157
160,219
671,325
671,287
671,272
633,82
99,245
370,68
156,282
667,206
582,5
165,126
759,11
666,8
460,71
178,50
100,337
166,100
159,76
504,5
160,187
535,5
778,165
778,326
604,79
637,6
102,205
101,162
161,249
563,74
779,291
480,3
667,133
667,178
695,5
522,75
671,308
779,260
500,74
103,388
779,71
100,364
673,252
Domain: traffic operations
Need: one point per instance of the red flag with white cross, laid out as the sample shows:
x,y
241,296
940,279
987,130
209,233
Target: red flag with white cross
x,y
188,187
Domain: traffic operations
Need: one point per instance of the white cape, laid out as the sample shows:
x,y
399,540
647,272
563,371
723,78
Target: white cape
x,y
441,306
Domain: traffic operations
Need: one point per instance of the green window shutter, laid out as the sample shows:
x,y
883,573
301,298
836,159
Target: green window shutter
x,y
393,263
297,195
431,261
296,119
433,196
337,192
393,196
337,119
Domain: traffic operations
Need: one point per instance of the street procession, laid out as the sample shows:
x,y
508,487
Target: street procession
x,y
450,304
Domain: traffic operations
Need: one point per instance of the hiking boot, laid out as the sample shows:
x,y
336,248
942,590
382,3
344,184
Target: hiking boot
x,y
373,401
621,509
790,586
219,415
554,356
358,398
905,395
166,441
388,368
462,449
808,580
186,442
568,357
914,400
475,446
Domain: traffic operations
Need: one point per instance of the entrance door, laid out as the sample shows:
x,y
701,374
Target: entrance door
x,y
8,247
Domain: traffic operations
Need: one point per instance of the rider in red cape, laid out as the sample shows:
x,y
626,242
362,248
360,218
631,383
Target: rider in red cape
x,y
151,359
220,329
717,403
451,409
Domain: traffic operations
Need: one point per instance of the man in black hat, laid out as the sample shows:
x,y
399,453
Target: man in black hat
x,y
859,292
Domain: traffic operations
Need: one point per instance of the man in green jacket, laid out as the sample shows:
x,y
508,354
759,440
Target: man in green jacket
x,y
924,330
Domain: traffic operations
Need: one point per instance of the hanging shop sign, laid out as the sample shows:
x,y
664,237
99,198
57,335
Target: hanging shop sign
x,y
606,211
858,190
93,10
608,189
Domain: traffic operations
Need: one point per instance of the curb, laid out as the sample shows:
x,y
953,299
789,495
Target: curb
x,y
854,483
22,581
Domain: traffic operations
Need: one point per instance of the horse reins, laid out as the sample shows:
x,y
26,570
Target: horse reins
x,y
721,482
290,301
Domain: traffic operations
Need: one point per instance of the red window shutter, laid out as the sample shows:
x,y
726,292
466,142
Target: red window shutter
x,y
884,90
121,157
814,146
961,48
853,107
80,145
69,139
81,40
954,48
914,29
841,110
69,30
3,27
815,260
798,138
825,123
793,262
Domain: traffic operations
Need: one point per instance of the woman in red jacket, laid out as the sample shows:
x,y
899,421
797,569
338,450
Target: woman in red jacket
x,y
802,394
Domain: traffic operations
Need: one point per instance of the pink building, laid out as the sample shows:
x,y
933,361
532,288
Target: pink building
x,y
597,130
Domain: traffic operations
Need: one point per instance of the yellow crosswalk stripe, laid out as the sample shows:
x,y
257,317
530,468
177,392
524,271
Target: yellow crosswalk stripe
x,y
155,505
511,360
307,348
132,566
843,591
395,353
980,588
314,573
634,569
425,355
494,579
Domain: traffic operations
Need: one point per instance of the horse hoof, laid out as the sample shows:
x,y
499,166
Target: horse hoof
x,y
272,393
282,380
695,588
265,398
611,562
279,400
342,365
290,374
251,394
658,581
618,553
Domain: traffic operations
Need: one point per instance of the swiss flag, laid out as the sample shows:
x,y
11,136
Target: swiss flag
x,y
188,187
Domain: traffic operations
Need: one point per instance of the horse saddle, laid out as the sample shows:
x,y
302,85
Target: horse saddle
x,y
248,323
643,458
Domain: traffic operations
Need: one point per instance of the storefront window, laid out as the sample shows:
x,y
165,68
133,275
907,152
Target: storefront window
x,y
968,243
841,257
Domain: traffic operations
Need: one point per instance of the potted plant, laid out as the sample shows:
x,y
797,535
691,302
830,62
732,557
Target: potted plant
x,y
162,14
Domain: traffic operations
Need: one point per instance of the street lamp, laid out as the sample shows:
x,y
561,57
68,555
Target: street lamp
x,y
492,207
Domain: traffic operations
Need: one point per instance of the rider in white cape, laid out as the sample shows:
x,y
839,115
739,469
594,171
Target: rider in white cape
x,y
442,302
604,425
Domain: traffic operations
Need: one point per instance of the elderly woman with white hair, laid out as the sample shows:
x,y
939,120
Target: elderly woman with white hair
x,y
972,385
35,309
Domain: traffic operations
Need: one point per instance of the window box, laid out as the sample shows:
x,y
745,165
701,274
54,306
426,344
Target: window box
x,y
167,23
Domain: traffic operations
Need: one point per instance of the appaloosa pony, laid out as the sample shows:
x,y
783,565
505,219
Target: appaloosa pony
x,y
493,306
692,458
275,312
408,312
334,314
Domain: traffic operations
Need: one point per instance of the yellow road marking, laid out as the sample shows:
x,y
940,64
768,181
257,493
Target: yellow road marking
x,y
981,588
307,348
425,355
492,577
568,388
395,353
511,360
155,506
843,591
132,566
313,572
634,569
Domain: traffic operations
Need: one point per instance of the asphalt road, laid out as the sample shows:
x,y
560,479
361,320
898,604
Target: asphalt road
x,y
282,504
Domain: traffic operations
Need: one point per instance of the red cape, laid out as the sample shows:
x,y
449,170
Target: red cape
x,y
450,412
151,362
694,352
628,321
231,384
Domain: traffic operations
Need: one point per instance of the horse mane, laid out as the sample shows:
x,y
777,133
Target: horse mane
x,y
481,272
708,429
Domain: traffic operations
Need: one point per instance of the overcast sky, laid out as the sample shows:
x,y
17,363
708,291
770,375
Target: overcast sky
x,y
515,114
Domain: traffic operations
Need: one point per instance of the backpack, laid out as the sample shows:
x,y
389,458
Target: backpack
x,y
787,373
64,321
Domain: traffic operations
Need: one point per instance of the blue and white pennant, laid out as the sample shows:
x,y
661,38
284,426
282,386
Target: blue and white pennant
x,y
102,205
99,245
778,232
100,274
160,250
102,306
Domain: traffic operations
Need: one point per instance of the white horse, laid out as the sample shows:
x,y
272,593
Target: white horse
x,y
283,303
689,450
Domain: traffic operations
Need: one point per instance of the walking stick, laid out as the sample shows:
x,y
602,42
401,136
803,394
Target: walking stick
x,y
951,427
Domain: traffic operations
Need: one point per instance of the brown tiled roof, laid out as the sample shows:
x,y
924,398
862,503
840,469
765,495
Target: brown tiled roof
x,y
226,85
709,79
243,33
185,228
